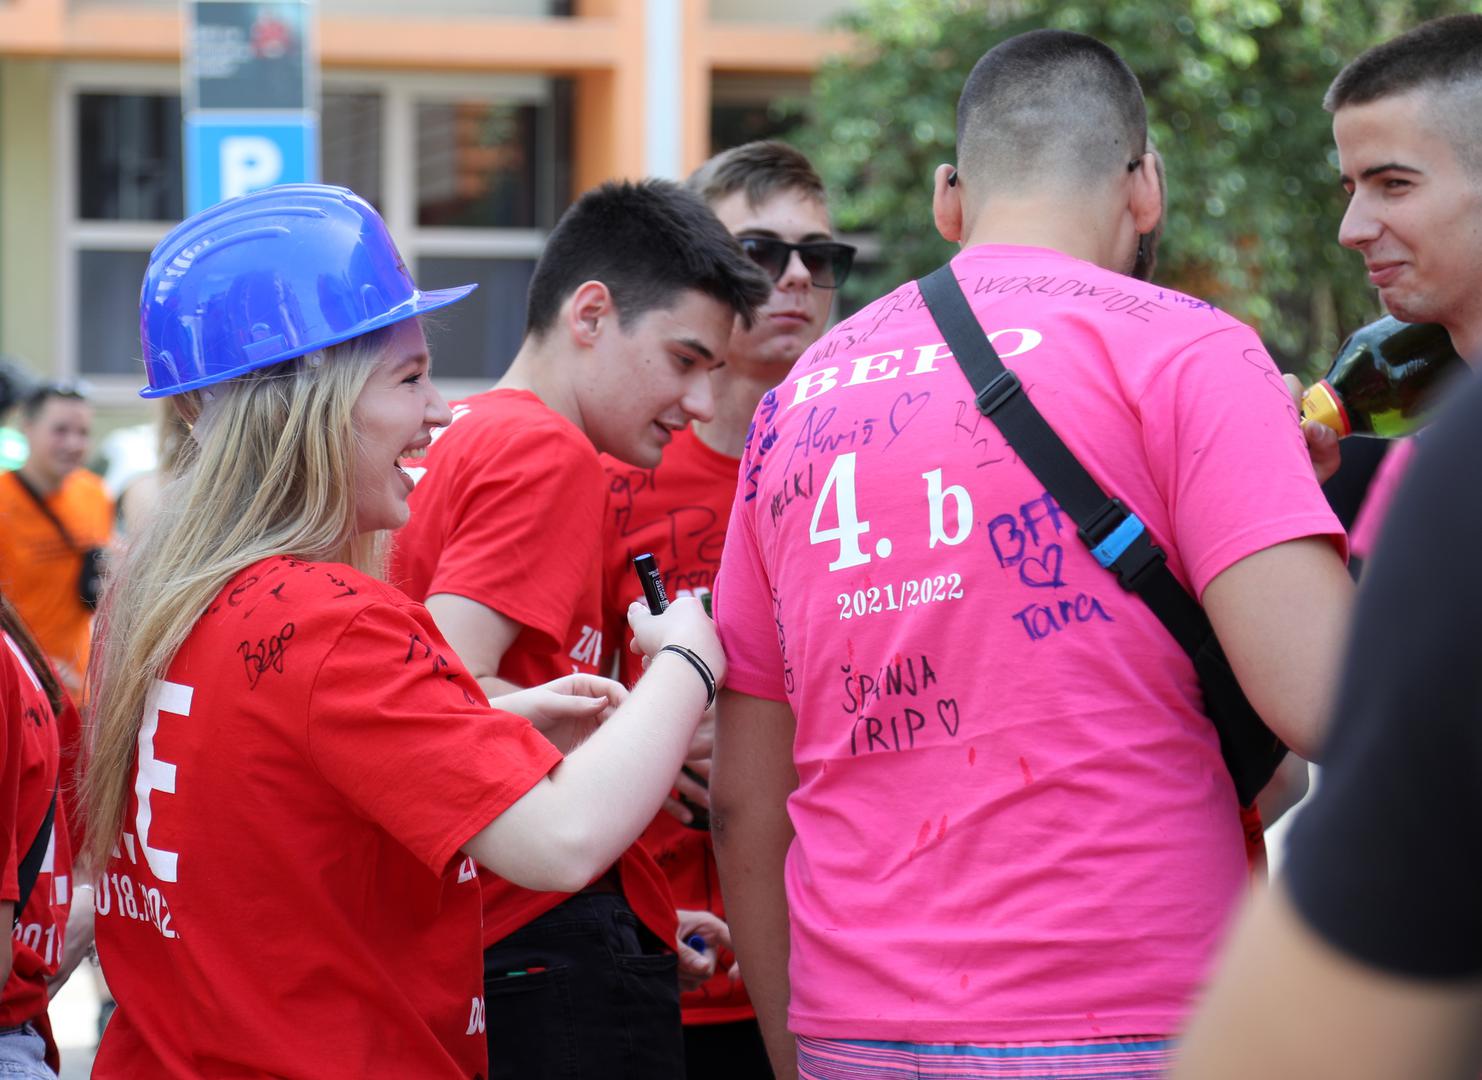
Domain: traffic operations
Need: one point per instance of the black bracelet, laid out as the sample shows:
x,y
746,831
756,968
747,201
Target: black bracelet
x,y
700,666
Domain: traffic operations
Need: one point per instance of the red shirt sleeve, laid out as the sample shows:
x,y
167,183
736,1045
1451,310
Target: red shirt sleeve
x,y
523,528
69,737
399,727
10,718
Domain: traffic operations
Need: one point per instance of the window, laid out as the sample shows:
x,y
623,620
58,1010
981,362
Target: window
x,y
469,174
814,14
748,107
351,139
477,165
477,337
120,141
128,155
108,321
492,177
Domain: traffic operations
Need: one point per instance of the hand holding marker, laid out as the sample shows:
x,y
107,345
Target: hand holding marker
x,y
704,940
647,569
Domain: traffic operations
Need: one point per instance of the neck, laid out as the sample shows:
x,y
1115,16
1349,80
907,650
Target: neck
x,y
1082,229
737,395
1466,339
538,370
45,483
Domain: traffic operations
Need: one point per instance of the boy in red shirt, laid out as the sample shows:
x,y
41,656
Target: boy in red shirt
x,y
771,199
630,307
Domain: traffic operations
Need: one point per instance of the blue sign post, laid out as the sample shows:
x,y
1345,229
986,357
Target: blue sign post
x,y
251,117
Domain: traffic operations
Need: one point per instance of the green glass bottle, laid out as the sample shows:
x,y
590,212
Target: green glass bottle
x,y
1385,381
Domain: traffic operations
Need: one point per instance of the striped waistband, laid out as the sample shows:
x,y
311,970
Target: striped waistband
x,y
1131,1058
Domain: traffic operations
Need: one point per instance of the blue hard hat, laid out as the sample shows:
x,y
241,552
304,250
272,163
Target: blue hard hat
x,y
267,277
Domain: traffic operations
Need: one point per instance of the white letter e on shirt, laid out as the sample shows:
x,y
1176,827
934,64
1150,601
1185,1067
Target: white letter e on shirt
x,y
154,774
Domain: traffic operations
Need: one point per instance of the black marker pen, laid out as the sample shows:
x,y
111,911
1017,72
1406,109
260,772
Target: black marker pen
x,y
647,568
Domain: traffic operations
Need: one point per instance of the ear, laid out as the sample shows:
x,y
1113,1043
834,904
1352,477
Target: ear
x,y
1146,196
589,310
946,204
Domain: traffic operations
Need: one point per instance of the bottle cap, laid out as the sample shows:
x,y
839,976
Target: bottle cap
x,y
1321,403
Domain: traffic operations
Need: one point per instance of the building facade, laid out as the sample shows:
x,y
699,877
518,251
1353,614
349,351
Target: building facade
x,y
470,125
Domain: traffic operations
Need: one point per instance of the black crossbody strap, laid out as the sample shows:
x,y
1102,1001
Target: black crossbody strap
x,y
1116,537
41,505
30,867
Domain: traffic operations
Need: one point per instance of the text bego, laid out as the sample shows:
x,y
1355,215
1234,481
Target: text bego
x,y
880,367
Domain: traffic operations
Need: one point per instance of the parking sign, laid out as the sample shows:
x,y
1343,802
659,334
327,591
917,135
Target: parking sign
x,y
230,154
251,98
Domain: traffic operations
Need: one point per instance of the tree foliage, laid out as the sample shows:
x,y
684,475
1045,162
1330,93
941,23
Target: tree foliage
x,y
1234,91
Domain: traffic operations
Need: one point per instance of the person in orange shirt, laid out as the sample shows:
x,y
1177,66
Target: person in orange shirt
x,y
55,517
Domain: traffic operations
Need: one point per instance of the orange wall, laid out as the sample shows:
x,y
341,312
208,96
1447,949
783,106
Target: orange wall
x,y
601,48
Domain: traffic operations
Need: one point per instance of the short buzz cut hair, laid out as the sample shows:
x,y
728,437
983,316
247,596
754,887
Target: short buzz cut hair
x,y
1049,107
35,401
761,169
1442,57
648,242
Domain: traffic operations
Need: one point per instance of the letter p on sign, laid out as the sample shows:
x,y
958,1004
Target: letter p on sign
x,y
248,163
231,155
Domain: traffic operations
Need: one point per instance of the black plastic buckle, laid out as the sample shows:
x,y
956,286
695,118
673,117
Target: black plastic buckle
x,y
1103,522
1003,387
1137,559
1140,559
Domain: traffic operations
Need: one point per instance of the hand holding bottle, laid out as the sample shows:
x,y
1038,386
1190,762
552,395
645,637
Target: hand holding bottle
x,y
1322,441
1385,381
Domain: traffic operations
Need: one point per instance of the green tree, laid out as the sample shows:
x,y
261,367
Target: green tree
x,y
1234,91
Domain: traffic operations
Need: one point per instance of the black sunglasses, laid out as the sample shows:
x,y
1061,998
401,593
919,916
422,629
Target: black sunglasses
x,y
66,389
828,262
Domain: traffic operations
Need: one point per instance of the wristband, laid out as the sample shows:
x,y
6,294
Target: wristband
x,y
700,666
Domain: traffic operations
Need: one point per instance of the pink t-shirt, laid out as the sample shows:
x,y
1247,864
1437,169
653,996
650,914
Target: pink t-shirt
x,y
1013,822
1375,507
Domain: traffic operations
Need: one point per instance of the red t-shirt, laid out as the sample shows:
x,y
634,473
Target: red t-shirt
x,y
289,896
678,512
33,748
11,732
507,512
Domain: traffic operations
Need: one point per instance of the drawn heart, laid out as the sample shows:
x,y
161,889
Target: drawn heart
x,y
945,706
1046,569
906,409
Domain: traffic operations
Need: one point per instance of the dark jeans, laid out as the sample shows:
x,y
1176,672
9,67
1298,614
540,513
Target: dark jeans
x,y
605,1007
733,1051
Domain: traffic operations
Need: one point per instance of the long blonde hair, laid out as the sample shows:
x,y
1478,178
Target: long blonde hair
x,y
271,471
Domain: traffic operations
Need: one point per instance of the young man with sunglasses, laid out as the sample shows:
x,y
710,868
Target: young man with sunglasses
x,y
773,202
52,513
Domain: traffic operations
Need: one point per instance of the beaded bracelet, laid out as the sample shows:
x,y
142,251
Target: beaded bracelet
x,y
700,666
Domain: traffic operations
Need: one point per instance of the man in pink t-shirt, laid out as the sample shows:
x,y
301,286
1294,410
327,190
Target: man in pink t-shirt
x,y
967,804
